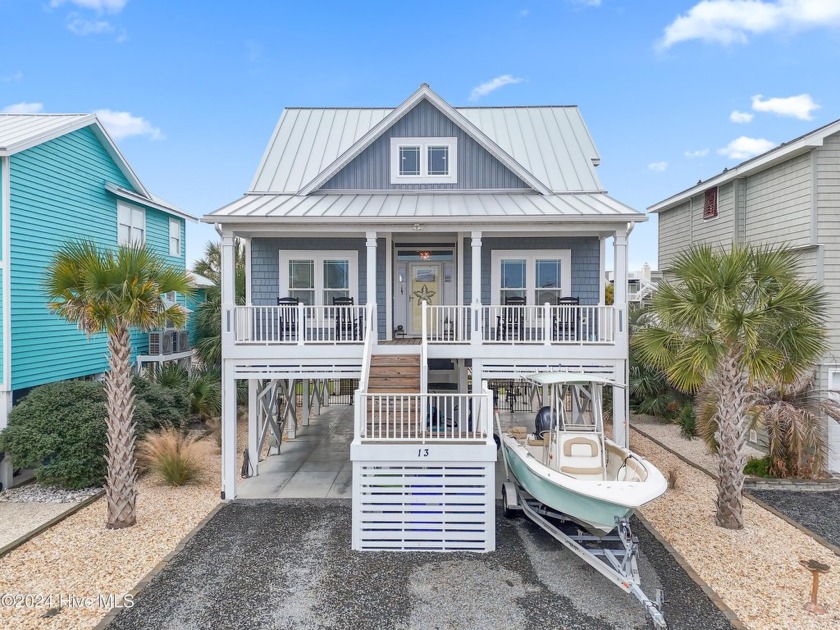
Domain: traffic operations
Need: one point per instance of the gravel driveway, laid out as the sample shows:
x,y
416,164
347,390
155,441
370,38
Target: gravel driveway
x,y
288,564
818,511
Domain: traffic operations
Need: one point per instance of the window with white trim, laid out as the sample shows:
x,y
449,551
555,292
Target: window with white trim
x,y
315,278
131,224
539,276
424,160
174,237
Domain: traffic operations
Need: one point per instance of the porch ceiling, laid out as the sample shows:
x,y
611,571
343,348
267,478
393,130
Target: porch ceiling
x,y
391,208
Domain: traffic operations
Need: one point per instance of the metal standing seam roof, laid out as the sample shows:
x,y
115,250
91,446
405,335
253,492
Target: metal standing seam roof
x,y
408,207
552,143
18,131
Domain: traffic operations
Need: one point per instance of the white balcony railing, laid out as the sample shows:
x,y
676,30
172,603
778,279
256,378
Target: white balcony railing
x,y
546,324
300,324
424,417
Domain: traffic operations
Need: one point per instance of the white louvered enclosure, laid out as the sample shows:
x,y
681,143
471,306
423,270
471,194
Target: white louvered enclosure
x,y
424,473
446,505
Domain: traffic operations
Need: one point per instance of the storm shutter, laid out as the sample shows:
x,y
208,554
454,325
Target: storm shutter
x,y
710,204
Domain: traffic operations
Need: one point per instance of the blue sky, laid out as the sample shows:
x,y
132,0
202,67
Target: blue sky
x,y
672,91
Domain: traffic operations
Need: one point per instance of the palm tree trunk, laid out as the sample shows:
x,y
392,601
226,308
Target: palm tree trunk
x,y
121,479
733,404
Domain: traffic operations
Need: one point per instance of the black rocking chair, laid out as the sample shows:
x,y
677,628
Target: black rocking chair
x,y
566,319
346,323
288,322
510,325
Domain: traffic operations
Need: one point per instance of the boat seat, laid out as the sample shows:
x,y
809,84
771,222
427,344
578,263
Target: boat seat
x,y
518,432
533,441
580,456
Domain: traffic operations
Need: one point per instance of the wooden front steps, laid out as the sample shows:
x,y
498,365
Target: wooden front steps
x,y
394,374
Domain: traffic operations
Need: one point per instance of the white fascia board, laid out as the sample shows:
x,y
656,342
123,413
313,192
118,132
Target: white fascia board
x,y
771,158
424,91
118,157
6,238
134,197
73,124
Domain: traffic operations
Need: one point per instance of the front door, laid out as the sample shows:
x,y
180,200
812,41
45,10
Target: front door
x,y
424,286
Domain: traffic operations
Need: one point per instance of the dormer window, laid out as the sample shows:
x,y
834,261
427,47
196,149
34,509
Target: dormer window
x,y
424,160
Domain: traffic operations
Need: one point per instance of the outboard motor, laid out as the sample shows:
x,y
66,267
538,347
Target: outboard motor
x,y
545,421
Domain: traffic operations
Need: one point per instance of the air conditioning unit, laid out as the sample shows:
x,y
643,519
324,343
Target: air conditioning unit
x,y
183,341
168,344
154,342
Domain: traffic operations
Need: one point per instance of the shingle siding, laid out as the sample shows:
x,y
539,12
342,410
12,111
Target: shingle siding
x,y
586,263
265,267
58,194
477,169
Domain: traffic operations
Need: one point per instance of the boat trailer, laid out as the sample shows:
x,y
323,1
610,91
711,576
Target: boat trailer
x,y
613,556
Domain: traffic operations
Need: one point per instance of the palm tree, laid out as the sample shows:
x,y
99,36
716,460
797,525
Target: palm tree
x,y
114,291
729,321
208,316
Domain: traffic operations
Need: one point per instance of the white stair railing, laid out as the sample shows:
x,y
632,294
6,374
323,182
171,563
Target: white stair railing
x,y
367,353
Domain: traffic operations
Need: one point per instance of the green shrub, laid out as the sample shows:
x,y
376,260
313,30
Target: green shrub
x,y
758,467
169,407
59,429
687,421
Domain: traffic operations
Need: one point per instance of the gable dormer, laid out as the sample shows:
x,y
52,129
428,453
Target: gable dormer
x,y
425,150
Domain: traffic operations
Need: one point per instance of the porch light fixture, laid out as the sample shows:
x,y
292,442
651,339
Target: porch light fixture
x,y
424,255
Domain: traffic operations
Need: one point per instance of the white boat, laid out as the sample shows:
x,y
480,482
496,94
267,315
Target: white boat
x,y
568,464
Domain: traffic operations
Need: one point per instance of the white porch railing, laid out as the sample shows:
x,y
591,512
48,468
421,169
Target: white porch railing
x,y
370,335
424,417
300,324
447,324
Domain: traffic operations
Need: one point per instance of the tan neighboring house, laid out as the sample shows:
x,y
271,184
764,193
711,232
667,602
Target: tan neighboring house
x,y
789,195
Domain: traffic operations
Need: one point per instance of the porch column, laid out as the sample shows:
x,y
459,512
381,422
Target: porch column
x,y
253,425
621,409
228,381
247,252
228,432
5,465
305,396
371,267
476,296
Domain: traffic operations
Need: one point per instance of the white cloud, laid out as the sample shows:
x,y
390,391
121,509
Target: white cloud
x,y
698,153
100,6
23,108
124,125
15,77
734,21
81,26
658,167
744,147
801,106
740,117
493,84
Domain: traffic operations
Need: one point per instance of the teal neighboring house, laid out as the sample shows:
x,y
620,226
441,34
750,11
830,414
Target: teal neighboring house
x,y
61,178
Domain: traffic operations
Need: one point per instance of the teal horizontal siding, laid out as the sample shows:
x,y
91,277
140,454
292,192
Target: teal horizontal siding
x,y
58,194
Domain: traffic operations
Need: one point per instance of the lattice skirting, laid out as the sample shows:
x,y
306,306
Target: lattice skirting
x,y
428,506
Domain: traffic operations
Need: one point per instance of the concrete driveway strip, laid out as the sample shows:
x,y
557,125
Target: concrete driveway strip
x,y
288,564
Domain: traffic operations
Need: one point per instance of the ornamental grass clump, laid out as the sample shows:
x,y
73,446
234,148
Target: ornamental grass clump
x,y
171,454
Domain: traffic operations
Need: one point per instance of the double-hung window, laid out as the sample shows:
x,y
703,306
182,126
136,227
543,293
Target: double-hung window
x,y
538,276
315,278
131,224
424,160
174,237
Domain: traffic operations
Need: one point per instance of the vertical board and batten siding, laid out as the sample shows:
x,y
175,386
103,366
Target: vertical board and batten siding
x,y
477,169
57,194
265,268
778,204
586,262
2,288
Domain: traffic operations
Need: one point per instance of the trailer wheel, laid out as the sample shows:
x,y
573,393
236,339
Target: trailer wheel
x,y
507,509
